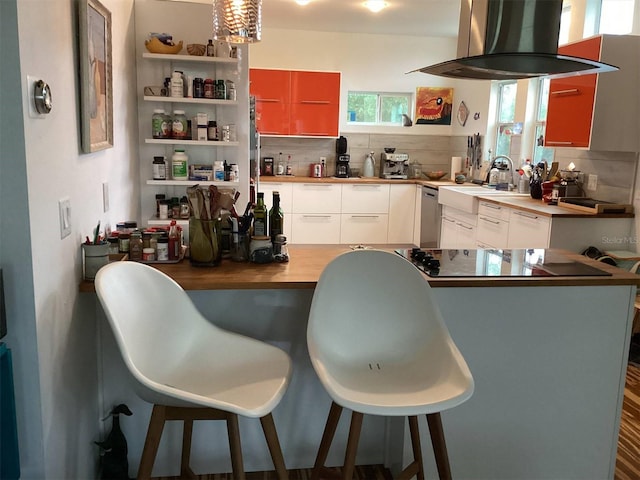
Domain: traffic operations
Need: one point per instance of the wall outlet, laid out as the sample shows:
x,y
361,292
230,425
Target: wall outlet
x,y
592,182
64,208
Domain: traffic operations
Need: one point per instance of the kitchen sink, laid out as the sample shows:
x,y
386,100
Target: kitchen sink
x,y
465,198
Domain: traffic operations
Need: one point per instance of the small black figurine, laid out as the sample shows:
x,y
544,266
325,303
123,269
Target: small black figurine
x,y
114,464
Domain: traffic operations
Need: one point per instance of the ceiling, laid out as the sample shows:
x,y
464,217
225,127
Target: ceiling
x,y
433,18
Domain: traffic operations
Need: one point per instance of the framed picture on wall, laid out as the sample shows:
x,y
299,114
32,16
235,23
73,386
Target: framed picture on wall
x,y
434,105
95,76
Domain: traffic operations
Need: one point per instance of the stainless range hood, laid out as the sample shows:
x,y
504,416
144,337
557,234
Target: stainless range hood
x,y
511,39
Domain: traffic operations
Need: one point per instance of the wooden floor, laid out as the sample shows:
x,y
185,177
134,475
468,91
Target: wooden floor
x,y
628,461
627,464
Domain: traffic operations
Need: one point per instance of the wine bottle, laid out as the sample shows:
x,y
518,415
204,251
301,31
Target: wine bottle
x,y
276,217
260,217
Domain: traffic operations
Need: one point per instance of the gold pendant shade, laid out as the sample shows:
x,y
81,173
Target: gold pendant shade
x,y
237,21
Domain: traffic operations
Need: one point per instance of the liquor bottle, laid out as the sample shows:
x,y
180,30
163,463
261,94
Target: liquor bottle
x,y
276,217
260,217
174,241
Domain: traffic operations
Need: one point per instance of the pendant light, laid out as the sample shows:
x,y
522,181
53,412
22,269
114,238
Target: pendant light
x,y
237,21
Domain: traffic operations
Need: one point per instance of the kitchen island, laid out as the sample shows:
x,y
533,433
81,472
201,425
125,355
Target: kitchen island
x,y
548,356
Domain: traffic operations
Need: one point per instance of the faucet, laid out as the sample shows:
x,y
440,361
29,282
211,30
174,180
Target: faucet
x,y
509,163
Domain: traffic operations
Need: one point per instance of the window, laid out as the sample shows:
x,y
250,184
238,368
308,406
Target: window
x,y
565,22
616,16
507,127
540,152
372,108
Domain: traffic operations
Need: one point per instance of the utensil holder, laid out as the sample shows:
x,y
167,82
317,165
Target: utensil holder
x,y
93,258
204,242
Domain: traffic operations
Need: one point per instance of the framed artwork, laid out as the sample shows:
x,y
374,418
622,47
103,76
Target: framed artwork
x,y
434,105
95,76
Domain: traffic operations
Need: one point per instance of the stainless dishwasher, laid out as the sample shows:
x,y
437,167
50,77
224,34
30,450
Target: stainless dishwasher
x,y
430,218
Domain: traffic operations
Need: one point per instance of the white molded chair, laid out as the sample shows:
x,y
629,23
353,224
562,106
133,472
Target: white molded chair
x,y
187,367
379,346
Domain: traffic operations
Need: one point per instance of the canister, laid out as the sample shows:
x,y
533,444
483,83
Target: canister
x,y
261,249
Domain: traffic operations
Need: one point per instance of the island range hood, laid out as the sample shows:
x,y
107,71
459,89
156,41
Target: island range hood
x,y
511,39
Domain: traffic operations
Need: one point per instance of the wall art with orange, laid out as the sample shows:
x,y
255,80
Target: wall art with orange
x,y
434,105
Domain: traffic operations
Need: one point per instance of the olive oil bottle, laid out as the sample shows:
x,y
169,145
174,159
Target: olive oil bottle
x,y
276,218
260,217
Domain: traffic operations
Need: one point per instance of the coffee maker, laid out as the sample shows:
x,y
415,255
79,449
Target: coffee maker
x,y
394,165
342,158
570,185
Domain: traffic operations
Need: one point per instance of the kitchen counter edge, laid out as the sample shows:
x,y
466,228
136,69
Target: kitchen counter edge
x,y
308,262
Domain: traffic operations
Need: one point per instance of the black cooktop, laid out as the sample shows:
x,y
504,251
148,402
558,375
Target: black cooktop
x,y
497,263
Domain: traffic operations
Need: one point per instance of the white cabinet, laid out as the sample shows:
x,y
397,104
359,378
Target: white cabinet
x,y
286,201
458,229
529,230
364,210
493,225
402,213
316,213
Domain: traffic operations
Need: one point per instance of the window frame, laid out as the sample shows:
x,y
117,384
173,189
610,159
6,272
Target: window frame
x,y
379,99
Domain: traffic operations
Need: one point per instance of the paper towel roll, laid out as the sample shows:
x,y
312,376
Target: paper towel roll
x,y
456,166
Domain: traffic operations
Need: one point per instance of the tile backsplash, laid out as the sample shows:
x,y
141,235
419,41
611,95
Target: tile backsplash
x,y
616,171
433,152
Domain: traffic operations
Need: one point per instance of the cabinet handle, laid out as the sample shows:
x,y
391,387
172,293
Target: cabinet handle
x,y
464,226
558,143
526,215
317,185
448,220
316,216
316,102
375,185
314,134
365,216
490,221
570,91
491,205
268,100
270,133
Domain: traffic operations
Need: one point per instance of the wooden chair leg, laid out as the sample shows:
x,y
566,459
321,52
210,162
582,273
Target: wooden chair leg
x,y
235,446
271,435
439,446
152,441
352,446
415,445
327,438
185,469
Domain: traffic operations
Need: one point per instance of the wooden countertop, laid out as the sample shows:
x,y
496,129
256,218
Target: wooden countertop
x,y
540,208
308,261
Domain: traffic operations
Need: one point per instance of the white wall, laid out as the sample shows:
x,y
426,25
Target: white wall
x,y
376,63
68,413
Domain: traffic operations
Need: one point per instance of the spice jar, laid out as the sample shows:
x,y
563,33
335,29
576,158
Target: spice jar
x,y
280,250
260,249
148,254
135,246
164,210
209,88
113,245
159,168
123,242
162,251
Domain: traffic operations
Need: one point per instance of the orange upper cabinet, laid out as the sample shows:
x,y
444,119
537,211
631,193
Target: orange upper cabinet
x,y
272,91
312,102
597,111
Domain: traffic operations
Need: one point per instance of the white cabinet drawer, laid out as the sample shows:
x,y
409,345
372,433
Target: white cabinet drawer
x,y
317,198
494,210
492,231
528,230
365,198
315,228
286,194
459,215
363,228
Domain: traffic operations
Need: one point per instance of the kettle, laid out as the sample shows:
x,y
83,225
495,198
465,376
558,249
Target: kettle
x,y
369,163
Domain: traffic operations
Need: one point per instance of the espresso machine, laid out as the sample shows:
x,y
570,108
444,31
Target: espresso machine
x,y
342,158
394,165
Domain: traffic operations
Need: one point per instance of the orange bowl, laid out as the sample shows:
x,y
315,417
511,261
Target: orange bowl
x,y
436,175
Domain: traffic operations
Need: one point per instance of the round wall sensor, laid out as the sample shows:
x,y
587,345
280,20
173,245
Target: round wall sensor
x,y
42,97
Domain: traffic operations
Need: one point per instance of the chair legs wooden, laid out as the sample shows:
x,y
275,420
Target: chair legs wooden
x,y
162,413
439,446
415,468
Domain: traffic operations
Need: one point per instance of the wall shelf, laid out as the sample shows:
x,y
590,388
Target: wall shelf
x,y
191,183
202,101
176,141
188,58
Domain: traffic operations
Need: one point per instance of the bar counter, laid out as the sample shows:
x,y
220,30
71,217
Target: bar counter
x,y
548,356
307,262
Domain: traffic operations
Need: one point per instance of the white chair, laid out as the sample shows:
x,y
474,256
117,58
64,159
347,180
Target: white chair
x,y
188,368
379,346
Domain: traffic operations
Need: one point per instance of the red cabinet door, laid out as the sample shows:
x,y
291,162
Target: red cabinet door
x,y
272,91
571,99
315,87
314,119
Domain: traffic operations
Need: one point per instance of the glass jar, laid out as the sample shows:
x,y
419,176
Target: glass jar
x,y
163,210
157,119
280,249
162,250
135,246
148,254
114,249
123,242
209,88
261,249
